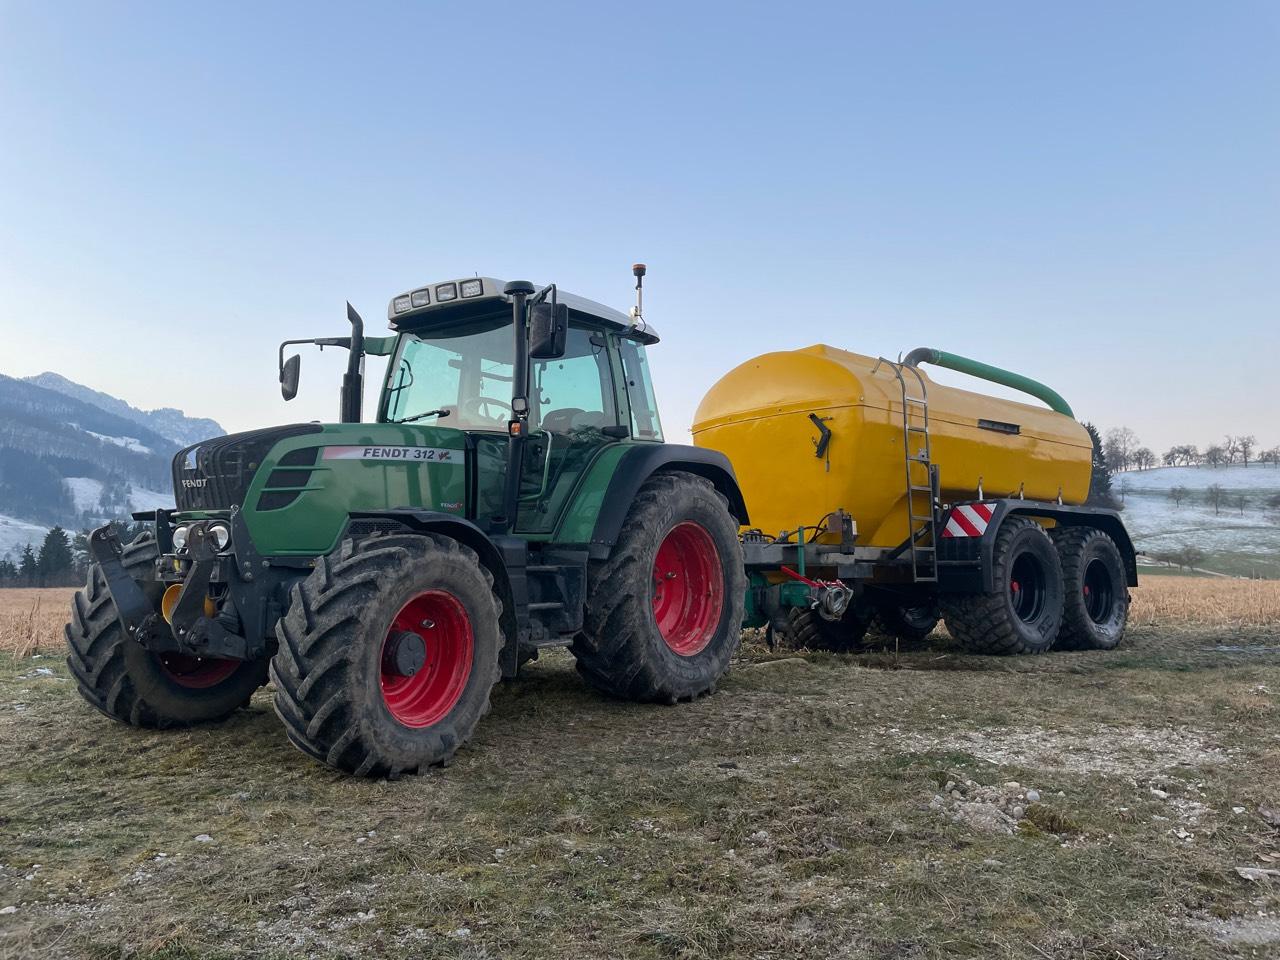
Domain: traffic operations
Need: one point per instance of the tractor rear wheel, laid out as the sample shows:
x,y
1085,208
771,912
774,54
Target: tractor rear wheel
x,y
1025,611
809,630
911,623
1096,594
388,653
119,677
664,612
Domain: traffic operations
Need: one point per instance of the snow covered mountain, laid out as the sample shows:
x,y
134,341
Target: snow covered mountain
x,y
166,421
76,457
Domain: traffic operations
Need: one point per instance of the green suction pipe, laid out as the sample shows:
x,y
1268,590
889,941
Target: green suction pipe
x,y
984,371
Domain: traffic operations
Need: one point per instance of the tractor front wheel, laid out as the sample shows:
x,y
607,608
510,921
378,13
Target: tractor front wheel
x,y
387,654
128,683
664,612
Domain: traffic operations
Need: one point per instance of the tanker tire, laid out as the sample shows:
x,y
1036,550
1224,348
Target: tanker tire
x,y
989,622
327,670
809,630
621,650
1090,558
910,623
117,676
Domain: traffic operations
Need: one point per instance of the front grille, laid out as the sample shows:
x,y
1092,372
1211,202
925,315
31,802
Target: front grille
x,y
226,466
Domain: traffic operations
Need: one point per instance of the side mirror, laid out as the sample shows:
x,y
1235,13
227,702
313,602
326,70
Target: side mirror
x,y
548,330
289,372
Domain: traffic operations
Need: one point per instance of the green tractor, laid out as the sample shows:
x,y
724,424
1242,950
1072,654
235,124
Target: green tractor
x,y
513,493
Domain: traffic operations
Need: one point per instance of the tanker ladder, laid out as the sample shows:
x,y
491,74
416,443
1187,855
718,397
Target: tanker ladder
x,y
921,476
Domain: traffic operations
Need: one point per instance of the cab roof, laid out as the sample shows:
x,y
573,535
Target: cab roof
x,y
451,301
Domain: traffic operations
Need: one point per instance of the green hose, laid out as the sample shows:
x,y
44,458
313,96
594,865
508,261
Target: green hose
x,y
984,371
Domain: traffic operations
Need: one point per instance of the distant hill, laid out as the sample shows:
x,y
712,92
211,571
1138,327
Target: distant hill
x,y
1241,537
76,457
166,421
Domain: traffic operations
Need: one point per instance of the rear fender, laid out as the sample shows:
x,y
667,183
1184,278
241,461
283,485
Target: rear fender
x,y
639,464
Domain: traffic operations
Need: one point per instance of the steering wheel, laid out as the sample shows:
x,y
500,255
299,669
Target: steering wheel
x,y
479,406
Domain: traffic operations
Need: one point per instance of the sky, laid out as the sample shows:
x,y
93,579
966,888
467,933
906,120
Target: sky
x,y
1086,193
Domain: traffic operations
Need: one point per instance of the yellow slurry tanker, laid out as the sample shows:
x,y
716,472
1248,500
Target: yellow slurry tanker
x,y
926,499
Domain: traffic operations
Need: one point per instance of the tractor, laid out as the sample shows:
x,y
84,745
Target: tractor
x,y
513,493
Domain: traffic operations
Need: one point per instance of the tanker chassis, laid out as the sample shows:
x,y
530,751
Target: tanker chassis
x,y
514,493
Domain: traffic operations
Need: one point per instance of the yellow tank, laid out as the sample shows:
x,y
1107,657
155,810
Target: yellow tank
x,y
758,416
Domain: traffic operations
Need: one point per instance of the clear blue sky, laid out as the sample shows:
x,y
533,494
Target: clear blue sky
x,y
1087,193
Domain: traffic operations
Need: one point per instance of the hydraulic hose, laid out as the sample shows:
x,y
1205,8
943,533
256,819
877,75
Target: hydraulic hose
x,y
984,371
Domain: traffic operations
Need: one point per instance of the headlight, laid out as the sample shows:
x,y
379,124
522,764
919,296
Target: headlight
x,y
420,298
446,292
180,537
472,288
220,534
400,304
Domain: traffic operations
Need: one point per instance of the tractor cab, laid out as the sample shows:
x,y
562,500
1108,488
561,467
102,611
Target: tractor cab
x,y
586,386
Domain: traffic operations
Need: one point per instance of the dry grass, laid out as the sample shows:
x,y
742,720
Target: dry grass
x,y
797,813
1206,601
31,620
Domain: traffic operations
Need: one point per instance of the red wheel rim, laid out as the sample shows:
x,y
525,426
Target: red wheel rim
x,y
427,696
688,588
196,673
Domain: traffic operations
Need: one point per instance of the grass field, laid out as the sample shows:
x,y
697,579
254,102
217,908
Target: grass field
x,y
816,806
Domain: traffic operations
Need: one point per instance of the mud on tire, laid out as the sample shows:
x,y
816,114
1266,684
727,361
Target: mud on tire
x,y
677,565
1024,613
1095,590
123,680
339,700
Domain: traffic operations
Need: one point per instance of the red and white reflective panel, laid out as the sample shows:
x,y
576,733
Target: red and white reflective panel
x,y
969,520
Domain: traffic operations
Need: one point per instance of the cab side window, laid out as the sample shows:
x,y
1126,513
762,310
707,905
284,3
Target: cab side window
x,y
574,392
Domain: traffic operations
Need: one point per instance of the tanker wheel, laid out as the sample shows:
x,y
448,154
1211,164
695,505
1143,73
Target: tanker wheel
x,y
664,612
387,654
809,630
119,677
1025,611
1096,601
910,623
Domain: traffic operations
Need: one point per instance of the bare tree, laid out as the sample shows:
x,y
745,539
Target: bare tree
x,y
1271,456
1215,496
1231,447
1191,557
1215,456
1177,495
1246,445
1120,444
1240,501
1144,458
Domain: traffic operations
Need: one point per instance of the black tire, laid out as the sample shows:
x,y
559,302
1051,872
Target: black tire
x,y
621,649
1025,612
329,670
1095,588
809,630
910,623
115,674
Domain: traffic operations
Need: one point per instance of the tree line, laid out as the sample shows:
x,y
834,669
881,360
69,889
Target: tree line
x,y
61,561
1124,451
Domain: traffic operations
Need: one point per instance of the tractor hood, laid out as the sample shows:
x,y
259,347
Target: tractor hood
x,y
297,485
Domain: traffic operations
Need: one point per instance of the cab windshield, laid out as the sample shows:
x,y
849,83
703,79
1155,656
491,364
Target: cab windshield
x,y
459,376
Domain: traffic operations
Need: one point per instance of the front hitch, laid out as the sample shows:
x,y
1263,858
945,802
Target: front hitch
x,y
192,630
